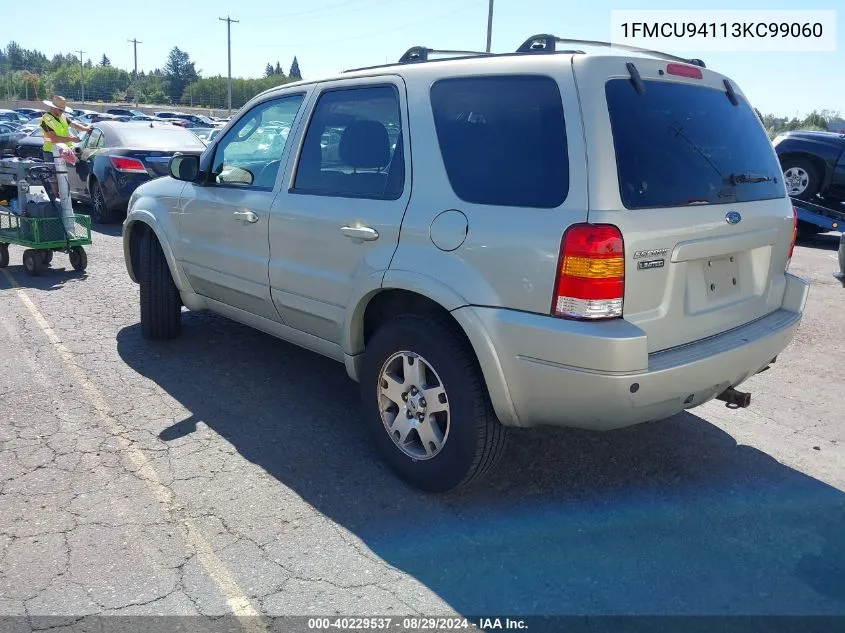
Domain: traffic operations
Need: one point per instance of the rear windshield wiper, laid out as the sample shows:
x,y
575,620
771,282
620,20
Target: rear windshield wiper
x,y
741,179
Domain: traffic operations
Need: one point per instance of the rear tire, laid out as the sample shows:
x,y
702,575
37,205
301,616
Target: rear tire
x,y
4,254
32,262
803,180
100,212
161,305
47,256
473,440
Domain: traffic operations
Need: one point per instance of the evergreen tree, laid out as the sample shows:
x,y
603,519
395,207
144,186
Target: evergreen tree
x,y
268,71
105,61
278,69
180,72
294,70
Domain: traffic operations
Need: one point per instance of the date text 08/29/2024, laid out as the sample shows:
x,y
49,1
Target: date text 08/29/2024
x,y
415,624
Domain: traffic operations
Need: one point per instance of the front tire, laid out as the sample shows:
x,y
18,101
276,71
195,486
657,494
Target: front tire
x,y
78,258
4,254
161,306
426,404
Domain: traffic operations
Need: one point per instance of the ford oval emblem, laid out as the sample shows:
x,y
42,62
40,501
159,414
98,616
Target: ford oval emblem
x,y
733,217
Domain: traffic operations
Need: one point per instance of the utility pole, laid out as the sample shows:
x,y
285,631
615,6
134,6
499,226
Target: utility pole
x,y
82,74
135,43
489,25
228,20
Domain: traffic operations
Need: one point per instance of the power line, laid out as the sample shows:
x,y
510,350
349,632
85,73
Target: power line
x,y
316,10
135,43
228,20
322,43
327,14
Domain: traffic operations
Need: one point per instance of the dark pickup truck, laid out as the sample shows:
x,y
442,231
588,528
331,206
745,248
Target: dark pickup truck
x,y
813,164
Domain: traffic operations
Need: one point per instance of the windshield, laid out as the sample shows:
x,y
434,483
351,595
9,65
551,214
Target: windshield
x,y
678,145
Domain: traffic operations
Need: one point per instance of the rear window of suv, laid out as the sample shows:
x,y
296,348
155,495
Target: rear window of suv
x,y
678,145
503,139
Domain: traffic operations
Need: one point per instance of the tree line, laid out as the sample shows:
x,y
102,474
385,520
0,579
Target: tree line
x,y
820,120
30,74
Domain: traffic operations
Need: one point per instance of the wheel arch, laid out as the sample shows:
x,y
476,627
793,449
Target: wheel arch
x,y
386,289
395,297
138,224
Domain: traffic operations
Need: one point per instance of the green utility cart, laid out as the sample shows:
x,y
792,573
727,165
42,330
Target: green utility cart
x,y
21,225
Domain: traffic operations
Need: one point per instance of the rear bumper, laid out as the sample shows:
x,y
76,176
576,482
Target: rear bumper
x,y
601,376
120,187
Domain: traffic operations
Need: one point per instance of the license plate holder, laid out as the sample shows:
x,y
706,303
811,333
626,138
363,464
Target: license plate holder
x,y
721,276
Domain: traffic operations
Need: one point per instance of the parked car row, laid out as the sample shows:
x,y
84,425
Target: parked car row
x,y
116,157
120,153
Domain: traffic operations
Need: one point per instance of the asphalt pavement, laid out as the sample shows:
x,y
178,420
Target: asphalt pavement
x,y
227,472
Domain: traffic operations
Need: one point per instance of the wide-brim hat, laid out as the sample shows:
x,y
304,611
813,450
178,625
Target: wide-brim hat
x,y
60,103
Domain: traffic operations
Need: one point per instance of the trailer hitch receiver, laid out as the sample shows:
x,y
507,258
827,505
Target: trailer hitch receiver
x,y
734,399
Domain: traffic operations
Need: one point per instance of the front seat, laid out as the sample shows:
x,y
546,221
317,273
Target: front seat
x,y
365,145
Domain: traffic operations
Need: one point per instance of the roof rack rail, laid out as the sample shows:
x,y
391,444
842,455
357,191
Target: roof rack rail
x,y
545,43
420,54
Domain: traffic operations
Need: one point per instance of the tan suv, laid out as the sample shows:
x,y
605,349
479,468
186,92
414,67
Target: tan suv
x,y
491,240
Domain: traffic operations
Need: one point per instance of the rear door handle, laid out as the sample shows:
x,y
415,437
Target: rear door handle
x,y
365,233
246,216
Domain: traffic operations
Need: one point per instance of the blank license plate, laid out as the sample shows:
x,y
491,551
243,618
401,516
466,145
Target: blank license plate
x,y
722,277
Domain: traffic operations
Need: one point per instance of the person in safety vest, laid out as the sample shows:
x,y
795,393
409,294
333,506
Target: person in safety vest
x,y
56,128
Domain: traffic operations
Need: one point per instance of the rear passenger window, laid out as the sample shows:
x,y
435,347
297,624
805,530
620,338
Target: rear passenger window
x,y
353,146
95,140
503,139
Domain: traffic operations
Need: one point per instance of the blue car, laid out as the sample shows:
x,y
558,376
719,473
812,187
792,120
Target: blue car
x,y
116,157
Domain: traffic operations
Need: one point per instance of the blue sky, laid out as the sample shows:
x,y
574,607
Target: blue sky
x,y
331,35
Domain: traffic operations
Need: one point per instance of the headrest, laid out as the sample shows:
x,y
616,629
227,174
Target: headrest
x,y
365,144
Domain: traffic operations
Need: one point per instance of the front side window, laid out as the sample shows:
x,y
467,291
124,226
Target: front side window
x,y
353,147
250,154
503,139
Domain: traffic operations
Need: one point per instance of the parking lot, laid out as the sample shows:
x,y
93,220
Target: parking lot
x,y
227,472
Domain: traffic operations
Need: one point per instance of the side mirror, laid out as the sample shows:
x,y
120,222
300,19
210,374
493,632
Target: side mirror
x,y
184,167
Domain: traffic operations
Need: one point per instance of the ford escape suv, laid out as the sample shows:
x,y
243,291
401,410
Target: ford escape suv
x,y
489,240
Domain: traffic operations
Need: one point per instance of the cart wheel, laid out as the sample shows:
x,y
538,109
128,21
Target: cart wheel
x,y
78,258
46,256
32,262
4,254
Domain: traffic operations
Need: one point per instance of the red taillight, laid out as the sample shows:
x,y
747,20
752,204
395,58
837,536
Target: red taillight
x,y
693,72
121,163
794,234
591,273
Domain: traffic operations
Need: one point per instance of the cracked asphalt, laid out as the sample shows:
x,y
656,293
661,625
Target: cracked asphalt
x,y
226,473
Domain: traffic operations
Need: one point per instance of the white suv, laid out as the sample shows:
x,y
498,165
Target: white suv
x,y
538,238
